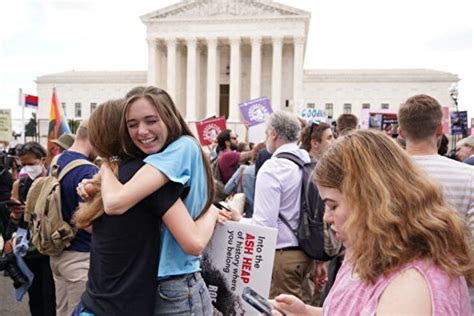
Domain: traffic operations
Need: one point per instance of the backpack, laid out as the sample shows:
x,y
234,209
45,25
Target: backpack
x,y
50,234
314,236
219,184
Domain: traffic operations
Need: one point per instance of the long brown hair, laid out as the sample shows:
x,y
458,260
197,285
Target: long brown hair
x,y
398,214
174,122
102,122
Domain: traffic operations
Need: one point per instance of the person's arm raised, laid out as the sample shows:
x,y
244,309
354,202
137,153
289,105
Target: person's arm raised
x,y
118,197
191,235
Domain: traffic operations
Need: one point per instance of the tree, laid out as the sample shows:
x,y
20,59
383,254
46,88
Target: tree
x,y
31,126
74,125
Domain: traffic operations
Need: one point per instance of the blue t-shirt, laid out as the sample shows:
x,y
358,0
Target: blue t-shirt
x,y
181,162
69,198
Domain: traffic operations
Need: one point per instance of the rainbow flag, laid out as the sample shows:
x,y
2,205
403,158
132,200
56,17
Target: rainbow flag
x,y
57,122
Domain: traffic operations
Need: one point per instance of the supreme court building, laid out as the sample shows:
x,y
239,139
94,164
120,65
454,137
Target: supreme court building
x,y
211,55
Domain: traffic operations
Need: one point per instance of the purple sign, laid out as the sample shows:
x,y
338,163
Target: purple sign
x,y
256,111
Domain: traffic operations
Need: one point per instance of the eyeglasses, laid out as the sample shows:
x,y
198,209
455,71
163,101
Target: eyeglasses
x,y
313,124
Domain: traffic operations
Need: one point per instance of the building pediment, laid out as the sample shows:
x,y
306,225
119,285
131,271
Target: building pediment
x,y
204,9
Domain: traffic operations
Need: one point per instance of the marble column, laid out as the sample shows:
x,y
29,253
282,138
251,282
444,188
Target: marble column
x,y
256,68
298,68
234,98
191,78
211,98
276,72
152,62
171,67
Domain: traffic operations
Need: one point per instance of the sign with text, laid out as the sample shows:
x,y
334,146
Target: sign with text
x,y
256,111
313,115
208,129
5,126
238,255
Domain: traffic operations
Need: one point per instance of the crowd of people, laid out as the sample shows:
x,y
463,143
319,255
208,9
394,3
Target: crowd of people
x,y
398,216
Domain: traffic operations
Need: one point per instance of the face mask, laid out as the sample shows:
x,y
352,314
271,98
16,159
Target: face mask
x,y
32,171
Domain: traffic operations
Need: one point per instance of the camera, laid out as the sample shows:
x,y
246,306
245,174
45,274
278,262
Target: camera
x,y
8,158
8,263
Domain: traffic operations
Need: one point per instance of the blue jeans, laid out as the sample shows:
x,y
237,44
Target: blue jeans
x,y
81,310
183,295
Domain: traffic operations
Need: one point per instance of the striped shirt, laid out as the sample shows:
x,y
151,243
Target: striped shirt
x,y
457,183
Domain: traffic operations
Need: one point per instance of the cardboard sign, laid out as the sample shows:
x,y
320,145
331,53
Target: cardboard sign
x,y
5,125
208,129
256,111
238,255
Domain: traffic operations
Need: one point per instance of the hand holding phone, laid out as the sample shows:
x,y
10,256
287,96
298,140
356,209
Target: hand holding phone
x,y
222,206
14,203
259,302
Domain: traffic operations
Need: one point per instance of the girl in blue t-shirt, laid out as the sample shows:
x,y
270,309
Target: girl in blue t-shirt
x,y
153,125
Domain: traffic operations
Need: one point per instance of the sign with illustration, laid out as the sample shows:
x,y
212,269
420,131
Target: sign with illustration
x,y
256,111
208,129
239,255
459,123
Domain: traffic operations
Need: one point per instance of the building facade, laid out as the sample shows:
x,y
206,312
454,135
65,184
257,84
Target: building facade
x,y
211,55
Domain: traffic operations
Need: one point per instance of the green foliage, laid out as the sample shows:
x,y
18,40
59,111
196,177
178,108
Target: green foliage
x,y
74,125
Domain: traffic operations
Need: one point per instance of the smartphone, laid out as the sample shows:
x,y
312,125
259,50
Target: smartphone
x,y
258,302
221,206
13,203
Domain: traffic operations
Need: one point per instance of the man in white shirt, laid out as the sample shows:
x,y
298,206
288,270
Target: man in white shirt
x,y
420,125
277,191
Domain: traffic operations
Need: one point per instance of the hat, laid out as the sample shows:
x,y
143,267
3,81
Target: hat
x,y
64,141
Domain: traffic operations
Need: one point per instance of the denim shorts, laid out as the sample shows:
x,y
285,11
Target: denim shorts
x,y
186,294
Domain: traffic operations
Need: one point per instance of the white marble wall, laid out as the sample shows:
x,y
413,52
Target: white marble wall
x,y
374,93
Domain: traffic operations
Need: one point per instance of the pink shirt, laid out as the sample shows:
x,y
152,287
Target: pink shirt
x,y
351,296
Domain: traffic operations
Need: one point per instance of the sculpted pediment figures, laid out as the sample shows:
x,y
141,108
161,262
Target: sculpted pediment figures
x,y
223,8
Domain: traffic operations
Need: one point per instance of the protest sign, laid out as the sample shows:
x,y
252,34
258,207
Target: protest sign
x,y
313,115
5,126
238,255
379,119
256,111
459,123
209,128
383,121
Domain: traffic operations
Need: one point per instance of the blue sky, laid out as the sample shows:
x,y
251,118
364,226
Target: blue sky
x,y
46,36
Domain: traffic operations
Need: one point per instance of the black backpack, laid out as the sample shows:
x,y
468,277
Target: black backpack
x,y
311,231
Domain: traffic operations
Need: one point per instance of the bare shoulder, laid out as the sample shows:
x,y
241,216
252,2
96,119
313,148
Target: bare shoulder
x,y
407,294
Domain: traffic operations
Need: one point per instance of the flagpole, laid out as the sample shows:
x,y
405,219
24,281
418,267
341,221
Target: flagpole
x,y
22,104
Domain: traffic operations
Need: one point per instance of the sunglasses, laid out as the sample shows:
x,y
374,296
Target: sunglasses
x,y
313,124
